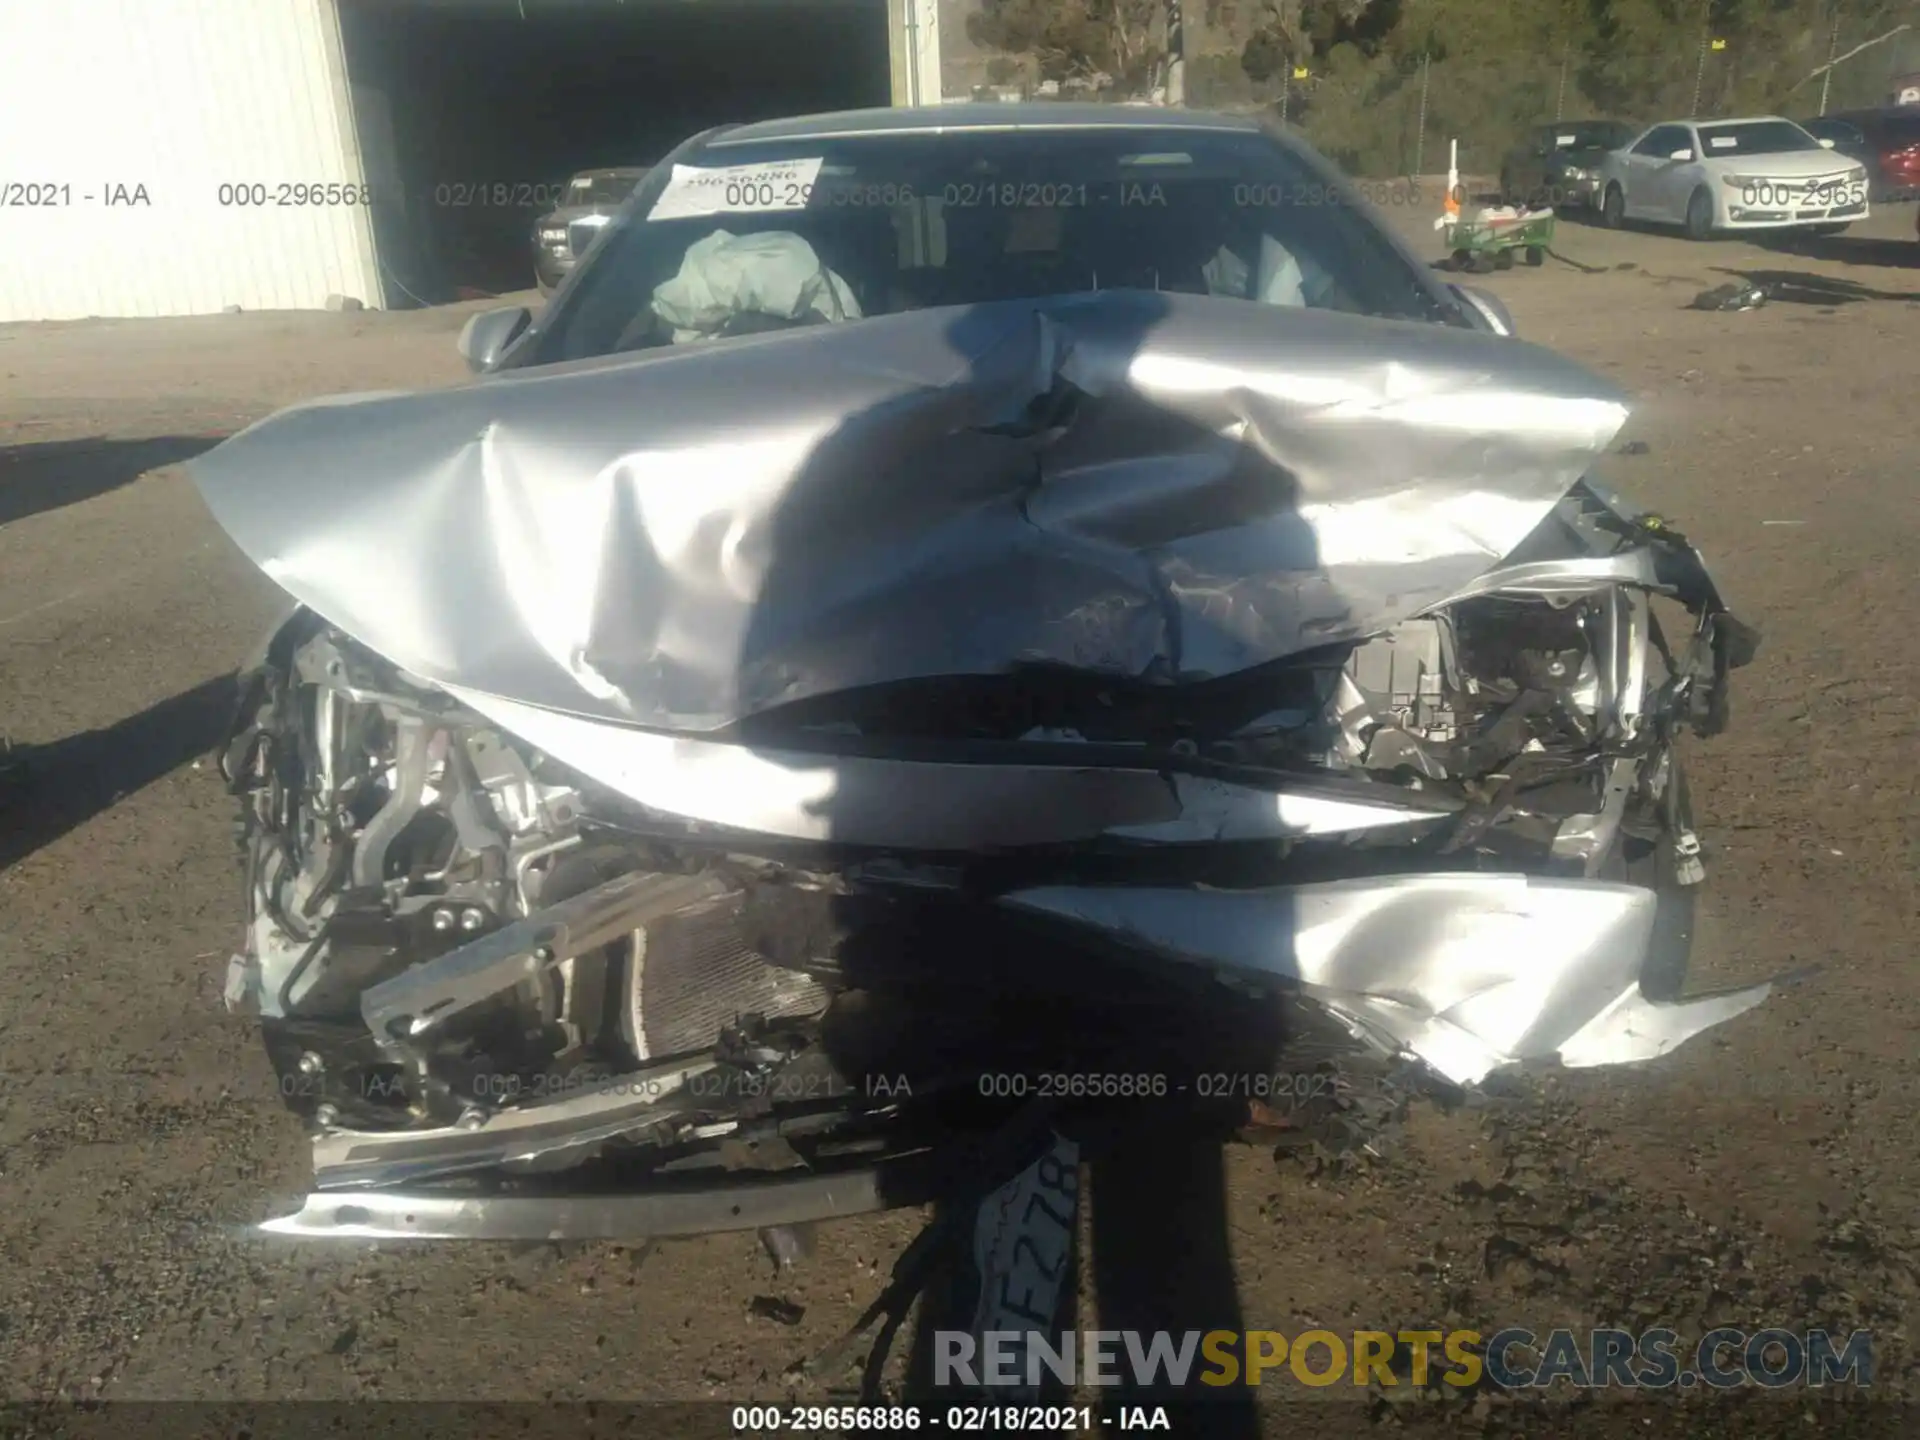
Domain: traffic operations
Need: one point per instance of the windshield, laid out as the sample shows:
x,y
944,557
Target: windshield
x,y
1756,137
603,187
768,234
1838,130
1589,135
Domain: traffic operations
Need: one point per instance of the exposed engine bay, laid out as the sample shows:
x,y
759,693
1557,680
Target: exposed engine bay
x,y
507,949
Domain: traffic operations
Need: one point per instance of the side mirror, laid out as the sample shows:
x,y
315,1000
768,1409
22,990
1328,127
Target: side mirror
x,y
1681,155
1486,308
1826,144
486,336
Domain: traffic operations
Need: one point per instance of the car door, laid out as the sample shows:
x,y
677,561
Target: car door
x,y
1637,169
1658,187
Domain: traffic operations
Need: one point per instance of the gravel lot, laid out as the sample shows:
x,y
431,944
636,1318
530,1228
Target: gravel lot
x,y
1766,1175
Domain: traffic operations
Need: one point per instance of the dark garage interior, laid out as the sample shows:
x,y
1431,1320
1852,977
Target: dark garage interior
x,y
472,114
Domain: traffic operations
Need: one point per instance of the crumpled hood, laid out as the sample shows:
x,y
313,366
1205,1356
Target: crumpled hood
x,y
1148,486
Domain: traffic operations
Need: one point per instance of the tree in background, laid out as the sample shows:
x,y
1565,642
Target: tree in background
x,y
1077,39
1493,68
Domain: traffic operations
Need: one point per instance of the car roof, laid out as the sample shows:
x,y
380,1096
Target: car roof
x,y
1874,114
982,116
1740,120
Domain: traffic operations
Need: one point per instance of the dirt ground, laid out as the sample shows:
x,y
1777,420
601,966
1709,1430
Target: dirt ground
x,y
1764,1175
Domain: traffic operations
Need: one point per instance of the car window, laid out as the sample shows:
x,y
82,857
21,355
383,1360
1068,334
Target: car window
x,y
600,187
1756,137
1586,135
752,236
1663,140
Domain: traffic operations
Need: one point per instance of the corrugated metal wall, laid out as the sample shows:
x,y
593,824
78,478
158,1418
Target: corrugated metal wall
x,y
102,98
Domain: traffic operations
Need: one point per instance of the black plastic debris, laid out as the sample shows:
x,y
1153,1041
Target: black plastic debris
x,y
1569,260
781,1312
1740,295
1635,447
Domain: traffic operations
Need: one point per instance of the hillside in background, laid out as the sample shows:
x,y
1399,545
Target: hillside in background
x,y
1485,69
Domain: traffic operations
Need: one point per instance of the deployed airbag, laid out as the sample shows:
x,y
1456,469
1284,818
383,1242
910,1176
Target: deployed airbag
x,y
726,276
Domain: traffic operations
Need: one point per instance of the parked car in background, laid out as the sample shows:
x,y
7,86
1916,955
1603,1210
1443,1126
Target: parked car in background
x,y
1892,135
561,237
1559,164
1760,173
1848,140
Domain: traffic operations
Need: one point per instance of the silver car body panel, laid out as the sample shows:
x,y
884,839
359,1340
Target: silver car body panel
x,y
931,805
681,540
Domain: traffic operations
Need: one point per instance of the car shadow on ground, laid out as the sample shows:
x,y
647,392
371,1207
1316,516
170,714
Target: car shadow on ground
x,y
55,473
1803,287
48,790
1895,254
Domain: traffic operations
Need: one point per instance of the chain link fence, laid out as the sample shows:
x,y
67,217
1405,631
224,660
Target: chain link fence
x,y
1393,114
1394,119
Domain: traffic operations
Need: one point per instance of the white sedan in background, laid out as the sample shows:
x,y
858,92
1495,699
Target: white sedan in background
x,y
1706,175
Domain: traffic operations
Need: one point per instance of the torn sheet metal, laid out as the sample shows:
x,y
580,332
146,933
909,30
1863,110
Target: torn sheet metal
x,y
1154,487
1466,972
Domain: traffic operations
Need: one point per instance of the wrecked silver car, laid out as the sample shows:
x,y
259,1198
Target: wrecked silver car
x,y
902,643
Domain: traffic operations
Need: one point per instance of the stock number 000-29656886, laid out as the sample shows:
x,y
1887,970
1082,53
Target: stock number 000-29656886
x,y
958,1419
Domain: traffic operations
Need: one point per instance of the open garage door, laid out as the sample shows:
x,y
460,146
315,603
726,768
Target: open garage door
x,y
472,114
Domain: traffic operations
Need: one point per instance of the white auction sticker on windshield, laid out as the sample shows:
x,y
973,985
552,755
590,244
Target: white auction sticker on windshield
x,y
733,189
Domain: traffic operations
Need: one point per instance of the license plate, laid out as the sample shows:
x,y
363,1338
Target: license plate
x,y
1022,1247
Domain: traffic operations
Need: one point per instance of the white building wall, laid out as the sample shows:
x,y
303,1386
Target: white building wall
x,y
178,97
913,32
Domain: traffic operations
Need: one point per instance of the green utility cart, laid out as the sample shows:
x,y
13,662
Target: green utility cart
x,y
1490,240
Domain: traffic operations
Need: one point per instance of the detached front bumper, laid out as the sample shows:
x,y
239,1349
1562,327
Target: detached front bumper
x,y
1464,973
753,1204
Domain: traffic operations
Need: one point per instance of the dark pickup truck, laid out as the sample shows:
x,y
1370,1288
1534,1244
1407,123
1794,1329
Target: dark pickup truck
x,y
561,237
